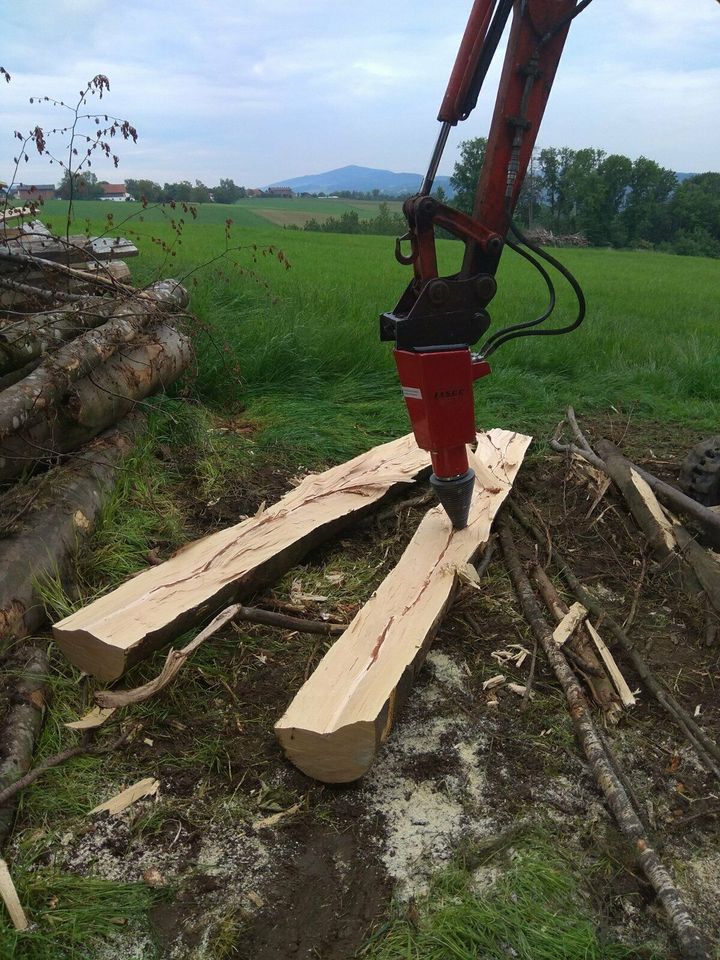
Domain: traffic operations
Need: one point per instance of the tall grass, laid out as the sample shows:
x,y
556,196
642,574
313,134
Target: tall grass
x,y
311,367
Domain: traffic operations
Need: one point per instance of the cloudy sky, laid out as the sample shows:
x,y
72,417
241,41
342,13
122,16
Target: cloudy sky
x,y
260,90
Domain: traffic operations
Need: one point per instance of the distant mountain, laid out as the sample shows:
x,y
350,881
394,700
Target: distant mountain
x,y
364,179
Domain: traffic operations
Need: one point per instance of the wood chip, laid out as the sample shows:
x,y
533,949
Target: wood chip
x,y
143,788
520,689
96,717
11,899
569,623
494,681
624,692
276,817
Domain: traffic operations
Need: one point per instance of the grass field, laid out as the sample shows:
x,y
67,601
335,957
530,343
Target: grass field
x,y
300,359
313,371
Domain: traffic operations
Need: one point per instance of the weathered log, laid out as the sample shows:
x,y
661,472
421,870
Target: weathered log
x,y
688,936
708,522
648,514
580,643
27,338
22,725
338,719
102,398
70,497
29,398
111,634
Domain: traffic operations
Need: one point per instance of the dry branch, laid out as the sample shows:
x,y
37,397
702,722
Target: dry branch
x,y
580,645
688,936
119,629
336,722
707,520
706,748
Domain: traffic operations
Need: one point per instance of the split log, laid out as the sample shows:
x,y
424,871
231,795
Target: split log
x,y
99,400
70,499
581,644
643,506
336,722
29,398
22,725
599,758
117,630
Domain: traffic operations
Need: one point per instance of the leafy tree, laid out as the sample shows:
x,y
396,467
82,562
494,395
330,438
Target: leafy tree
x,y
466,173
227,191
180,192
79,186
148,189
646,211
200,193
695,212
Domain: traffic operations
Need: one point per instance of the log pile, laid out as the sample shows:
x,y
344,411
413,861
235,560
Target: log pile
x,y
79,348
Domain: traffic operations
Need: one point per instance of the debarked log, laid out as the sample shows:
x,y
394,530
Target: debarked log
x,y
100,399
337,721
117,630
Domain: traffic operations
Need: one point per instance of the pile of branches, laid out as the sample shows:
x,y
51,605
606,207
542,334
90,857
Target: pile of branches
x,y
546,238
680,535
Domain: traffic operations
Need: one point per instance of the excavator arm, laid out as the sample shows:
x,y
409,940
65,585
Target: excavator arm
x,y
438,319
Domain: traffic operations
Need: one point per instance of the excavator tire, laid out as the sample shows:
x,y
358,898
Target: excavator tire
x,y
700,473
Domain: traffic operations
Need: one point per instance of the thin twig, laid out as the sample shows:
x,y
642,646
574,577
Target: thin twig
x,y
85,746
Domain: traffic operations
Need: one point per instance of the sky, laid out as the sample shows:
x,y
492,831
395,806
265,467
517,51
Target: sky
x,y
264,90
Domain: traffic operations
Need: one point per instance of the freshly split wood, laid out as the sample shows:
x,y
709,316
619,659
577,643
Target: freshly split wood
x,y
111,634
335,724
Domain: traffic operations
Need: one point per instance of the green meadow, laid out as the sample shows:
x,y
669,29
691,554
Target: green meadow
x,y
302,354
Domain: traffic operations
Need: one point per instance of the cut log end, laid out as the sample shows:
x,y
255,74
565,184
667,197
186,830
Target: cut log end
x,y
337,756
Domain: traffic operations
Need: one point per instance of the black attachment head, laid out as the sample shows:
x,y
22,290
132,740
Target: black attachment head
x,y
455,496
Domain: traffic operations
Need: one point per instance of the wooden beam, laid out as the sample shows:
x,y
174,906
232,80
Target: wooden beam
x,y
111,634
338,719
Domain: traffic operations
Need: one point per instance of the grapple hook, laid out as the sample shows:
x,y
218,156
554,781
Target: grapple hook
x,y
400,256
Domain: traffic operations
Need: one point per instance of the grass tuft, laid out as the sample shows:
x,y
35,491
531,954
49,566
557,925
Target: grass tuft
x,y
534,910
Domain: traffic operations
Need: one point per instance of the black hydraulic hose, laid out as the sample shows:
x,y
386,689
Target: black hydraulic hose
x,y
489,346
520,329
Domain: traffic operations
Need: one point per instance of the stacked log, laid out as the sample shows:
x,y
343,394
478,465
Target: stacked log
x,y
78,351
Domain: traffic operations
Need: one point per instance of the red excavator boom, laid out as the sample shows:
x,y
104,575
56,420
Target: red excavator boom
x,y
438,319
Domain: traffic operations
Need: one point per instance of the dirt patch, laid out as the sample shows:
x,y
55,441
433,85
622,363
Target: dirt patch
x,y
462,767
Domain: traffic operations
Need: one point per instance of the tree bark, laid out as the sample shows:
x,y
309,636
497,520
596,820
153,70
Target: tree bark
x,y
69,500
105,396
42,388
22,726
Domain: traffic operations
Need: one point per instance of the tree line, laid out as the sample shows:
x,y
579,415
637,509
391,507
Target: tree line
x,y
86,186
611,199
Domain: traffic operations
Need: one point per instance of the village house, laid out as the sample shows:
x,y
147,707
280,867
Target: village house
x,y
115,191
36,191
